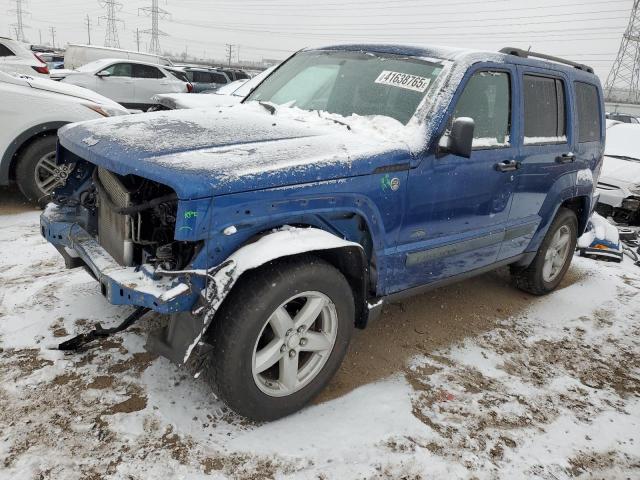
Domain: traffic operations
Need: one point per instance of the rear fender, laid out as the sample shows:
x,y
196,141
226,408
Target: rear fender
x,y
188,328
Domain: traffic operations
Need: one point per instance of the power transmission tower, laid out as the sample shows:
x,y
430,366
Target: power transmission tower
x,y
111,35
622,82
230,48
156,13
52,30
19,26
88,22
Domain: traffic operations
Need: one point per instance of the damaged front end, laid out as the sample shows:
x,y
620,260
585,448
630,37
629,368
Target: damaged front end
x,y
142,244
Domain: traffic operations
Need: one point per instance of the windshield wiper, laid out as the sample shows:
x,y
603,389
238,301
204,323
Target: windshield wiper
x,y
268,106
624,157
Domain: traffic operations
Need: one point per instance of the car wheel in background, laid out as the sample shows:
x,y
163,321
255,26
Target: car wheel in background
x,y
553,258
37,174
280,336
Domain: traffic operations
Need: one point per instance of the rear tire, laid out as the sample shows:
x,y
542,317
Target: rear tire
x,y
553,258
35,171
272,353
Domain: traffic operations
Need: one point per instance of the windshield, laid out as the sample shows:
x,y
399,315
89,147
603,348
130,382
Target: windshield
x,y
349,83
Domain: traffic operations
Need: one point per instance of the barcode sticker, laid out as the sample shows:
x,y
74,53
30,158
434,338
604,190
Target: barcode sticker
x,y
404,80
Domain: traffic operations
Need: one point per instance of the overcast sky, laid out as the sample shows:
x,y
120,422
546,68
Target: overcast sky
x,y
588,31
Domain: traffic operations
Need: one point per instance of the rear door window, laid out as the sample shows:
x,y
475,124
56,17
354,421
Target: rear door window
x,y
545,118
5,52
588,104
146,71
487,99
218,77
202,77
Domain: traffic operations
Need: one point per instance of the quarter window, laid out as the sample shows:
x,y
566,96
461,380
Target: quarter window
x,y
5,52
545,119
487,100
588,113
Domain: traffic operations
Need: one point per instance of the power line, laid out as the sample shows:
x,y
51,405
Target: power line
x,y
156,13
111,34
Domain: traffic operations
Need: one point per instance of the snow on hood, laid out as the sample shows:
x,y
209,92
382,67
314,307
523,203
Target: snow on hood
x,y
201,152
71,90
623,139
196,100
618,171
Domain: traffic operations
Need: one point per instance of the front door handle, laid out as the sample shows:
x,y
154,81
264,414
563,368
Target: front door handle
x,y
507,166
566,158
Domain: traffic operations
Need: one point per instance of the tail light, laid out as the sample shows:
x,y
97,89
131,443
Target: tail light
x,y
43,70
189,88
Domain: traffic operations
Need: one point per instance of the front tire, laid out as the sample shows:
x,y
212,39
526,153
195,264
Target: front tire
x,y
553,258
280,336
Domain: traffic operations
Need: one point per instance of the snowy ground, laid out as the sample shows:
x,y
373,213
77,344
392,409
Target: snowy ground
x,y
477,380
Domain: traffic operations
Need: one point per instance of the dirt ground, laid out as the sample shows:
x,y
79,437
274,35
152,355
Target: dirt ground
x,y
475,380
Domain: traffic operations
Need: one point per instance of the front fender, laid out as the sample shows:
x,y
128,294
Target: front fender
x,y
185,330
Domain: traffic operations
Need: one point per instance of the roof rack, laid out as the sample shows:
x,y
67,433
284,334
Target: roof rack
x,y
518,52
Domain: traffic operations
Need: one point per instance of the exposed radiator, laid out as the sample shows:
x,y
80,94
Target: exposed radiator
x,y
114,230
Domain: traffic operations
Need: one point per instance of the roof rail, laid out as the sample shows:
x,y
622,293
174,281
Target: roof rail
x,y
518,52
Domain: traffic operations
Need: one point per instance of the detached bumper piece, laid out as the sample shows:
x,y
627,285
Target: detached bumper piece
x,y
80,341
137,286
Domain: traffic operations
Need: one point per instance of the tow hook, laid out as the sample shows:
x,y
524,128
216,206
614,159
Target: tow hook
x,y
79,341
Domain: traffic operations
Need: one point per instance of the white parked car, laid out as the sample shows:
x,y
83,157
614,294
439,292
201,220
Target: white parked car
x,y
225,96
16,58
619,182
130,83
31,111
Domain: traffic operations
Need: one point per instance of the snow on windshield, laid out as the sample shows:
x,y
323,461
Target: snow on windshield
x,y
351,82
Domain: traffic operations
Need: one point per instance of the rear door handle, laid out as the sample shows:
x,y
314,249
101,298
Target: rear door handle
x,y
507,166
566,158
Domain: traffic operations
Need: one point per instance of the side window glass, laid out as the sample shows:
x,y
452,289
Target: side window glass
x,y
146,71
219,78
119,70
545,118
5,52
487,100
588,105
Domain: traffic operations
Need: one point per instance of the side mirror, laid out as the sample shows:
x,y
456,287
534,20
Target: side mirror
x,y
103,73
459,141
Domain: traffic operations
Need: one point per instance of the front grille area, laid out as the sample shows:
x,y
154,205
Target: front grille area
x,y
114,230
137,221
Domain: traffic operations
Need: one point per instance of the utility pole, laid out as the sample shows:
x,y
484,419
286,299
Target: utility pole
x,y
230,48
156,13
138,38
624,78
19,26
40,35
111,35
52,30
88,22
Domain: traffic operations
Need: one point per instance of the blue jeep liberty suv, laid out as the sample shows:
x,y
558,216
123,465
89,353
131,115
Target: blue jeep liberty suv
x,y
352,176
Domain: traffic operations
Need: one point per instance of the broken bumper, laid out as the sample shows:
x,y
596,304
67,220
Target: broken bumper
x,y
138,286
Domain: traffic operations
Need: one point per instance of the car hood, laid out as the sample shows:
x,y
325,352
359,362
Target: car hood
x,y
201,153
70,90
618,172
175,101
